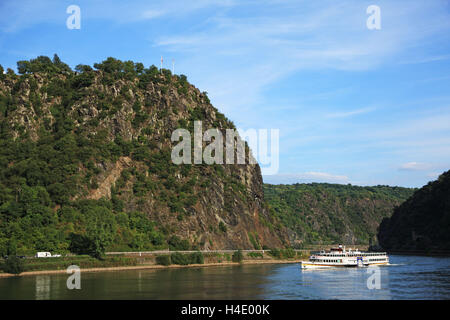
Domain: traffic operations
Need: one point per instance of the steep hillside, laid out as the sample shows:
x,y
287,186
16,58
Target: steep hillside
x,y
331,213
422,223
86,159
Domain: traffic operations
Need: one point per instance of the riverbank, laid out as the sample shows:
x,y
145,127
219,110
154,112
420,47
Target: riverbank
x,y
154,266
423,253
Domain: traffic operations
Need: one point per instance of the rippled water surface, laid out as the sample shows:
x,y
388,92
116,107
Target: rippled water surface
x,y
409,277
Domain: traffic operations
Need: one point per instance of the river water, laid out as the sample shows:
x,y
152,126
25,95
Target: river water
x,y
409,277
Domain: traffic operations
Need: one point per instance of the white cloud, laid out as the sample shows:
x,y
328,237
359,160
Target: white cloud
x,y
325,176
415,166
151,14
434,175
282,38
350,113
427,59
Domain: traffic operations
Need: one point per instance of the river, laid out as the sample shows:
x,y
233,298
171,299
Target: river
x,y
409,277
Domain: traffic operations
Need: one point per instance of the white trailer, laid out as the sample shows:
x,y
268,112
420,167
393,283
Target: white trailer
x,y
43,255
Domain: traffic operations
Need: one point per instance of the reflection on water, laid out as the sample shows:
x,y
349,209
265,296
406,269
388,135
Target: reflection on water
x,y
140,281
407,278
43,287
336,283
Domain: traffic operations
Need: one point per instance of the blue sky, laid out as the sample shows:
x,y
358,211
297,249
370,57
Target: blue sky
x,y
353,105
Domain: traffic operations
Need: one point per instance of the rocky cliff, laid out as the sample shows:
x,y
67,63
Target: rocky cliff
x,y
422,223
96,142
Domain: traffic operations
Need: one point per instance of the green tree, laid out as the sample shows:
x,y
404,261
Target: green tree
x,y
222,227
23,66
163,260
179,258
2,72
196,258
12,248
13,265
83,68
175,243
237,256
139,67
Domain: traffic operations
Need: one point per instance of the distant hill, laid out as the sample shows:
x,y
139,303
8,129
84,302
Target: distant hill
x,y
422,223
332,213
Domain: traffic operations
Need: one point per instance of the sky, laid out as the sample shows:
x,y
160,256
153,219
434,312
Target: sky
x,y
352,105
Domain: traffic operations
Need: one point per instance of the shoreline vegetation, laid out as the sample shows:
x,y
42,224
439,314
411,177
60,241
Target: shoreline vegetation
x,y
148,260
155,267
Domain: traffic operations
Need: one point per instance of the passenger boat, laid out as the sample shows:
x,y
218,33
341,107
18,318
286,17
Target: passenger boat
x,y
340,257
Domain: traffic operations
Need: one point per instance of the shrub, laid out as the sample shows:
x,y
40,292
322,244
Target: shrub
x,y
283,253
237,256
196,258
222,227
176,244
288,253
163,260
253,239
13,265
276,253
255,255
179,258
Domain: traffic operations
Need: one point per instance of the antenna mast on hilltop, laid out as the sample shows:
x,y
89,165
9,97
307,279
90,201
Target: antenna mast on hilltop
x,y
173,66
161,63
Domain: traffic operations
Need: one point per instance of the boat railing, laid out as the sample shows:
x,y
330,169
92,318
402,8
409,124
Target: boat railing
x,y
348,253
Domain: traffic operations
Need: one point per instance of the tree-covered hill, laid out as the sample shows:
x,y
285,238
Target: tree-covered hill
x,y
85,164
422,223
319,213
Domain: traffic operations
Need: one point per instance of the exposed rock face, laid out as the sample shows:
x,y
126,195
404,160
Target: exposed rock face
x,y
109,179
422,223
213,206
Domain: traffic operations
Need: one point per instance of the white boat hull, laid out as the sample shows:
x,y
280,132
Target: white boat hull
x,y
311,265
340,257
